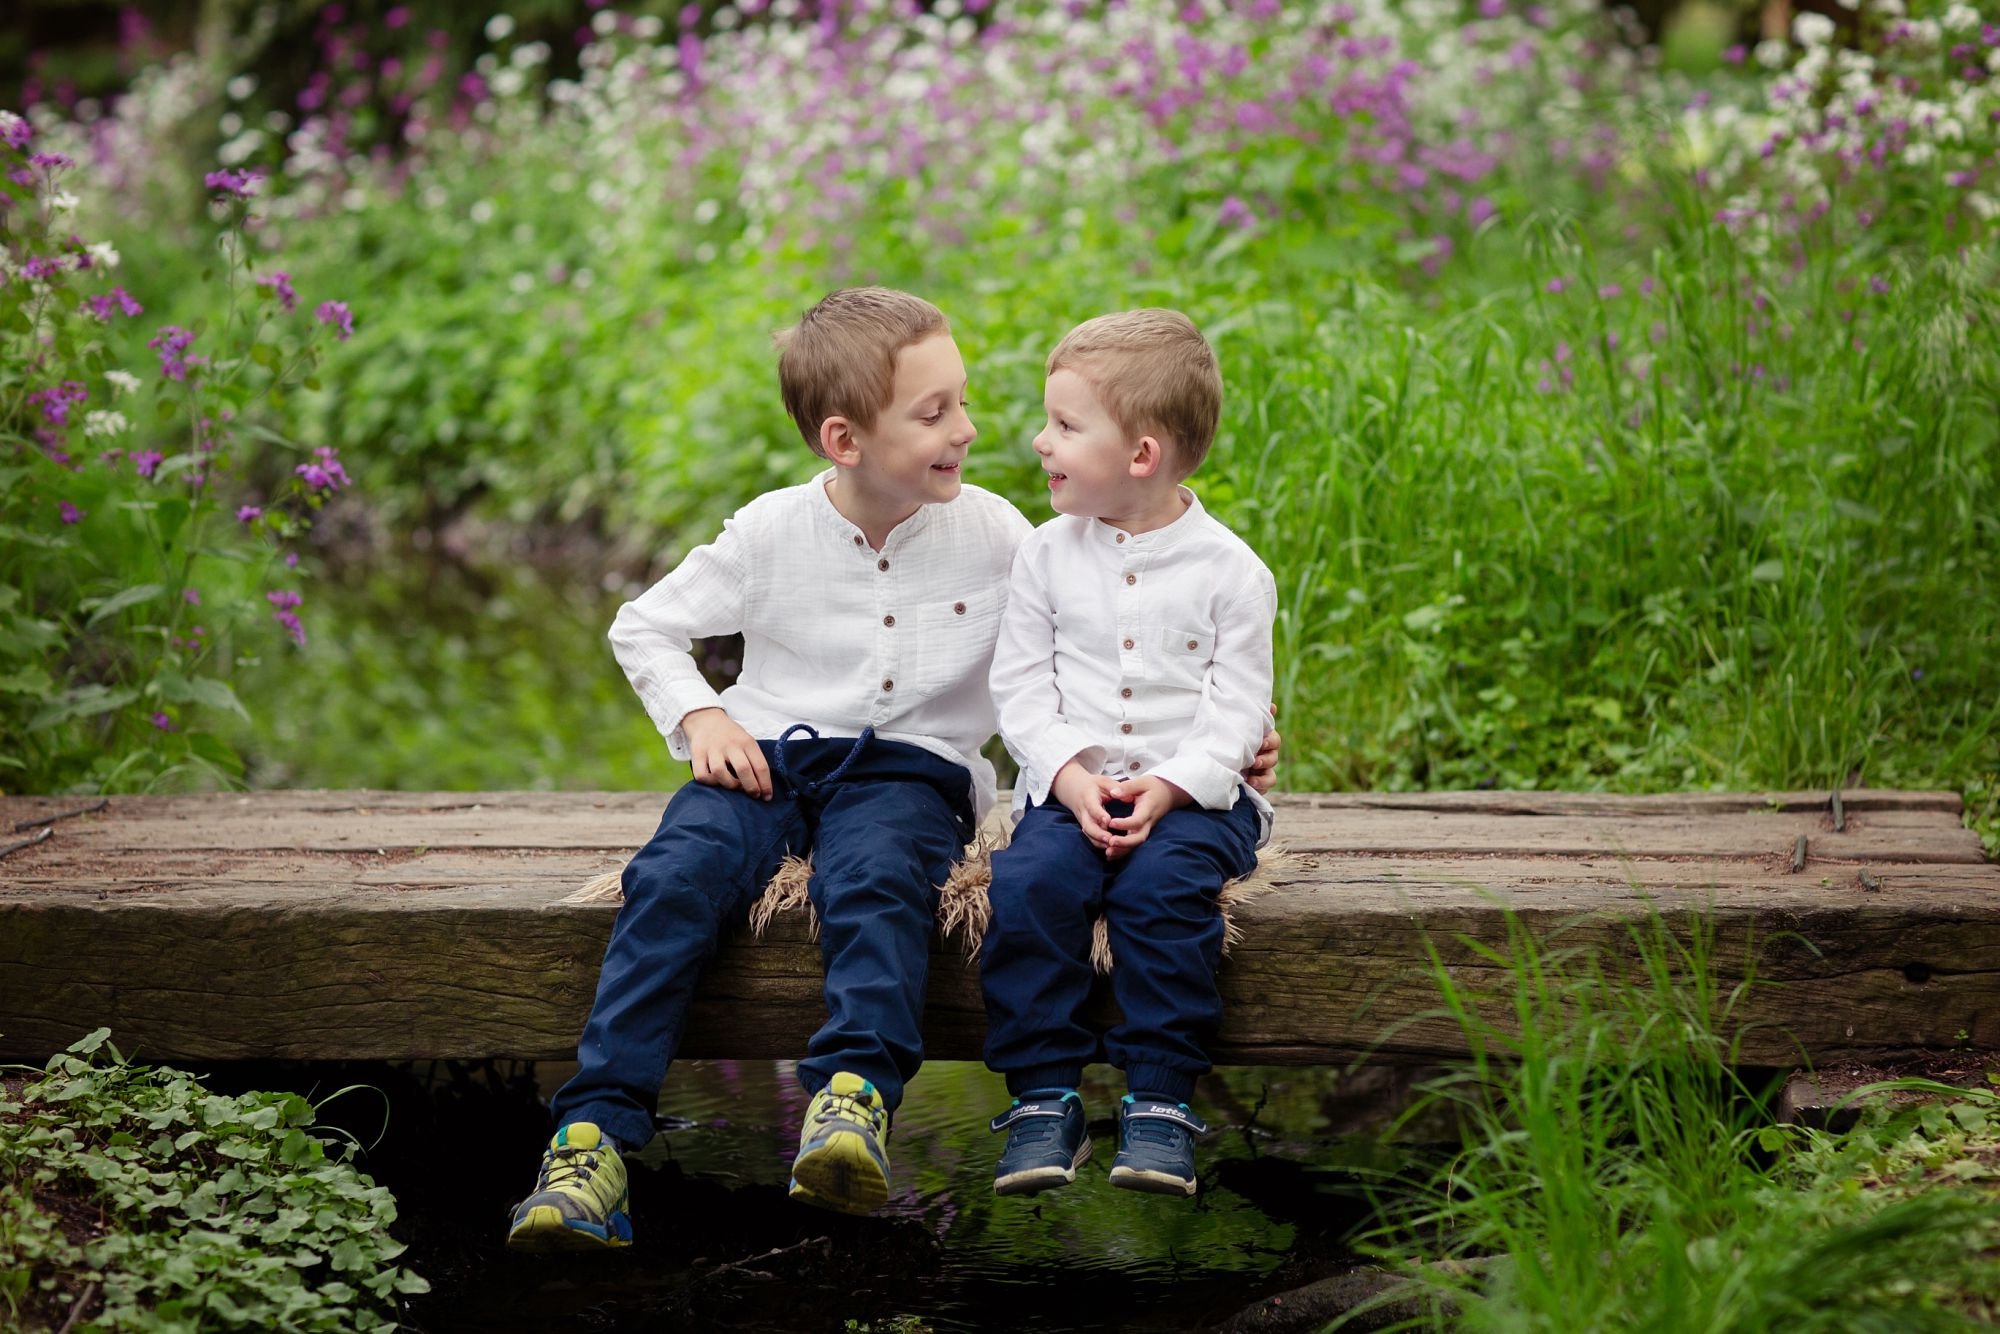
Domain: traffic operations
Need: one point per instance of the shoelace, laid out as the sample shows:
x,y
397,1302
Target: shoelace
x,y
1034,1131
567,1162
854,1109
1154,1132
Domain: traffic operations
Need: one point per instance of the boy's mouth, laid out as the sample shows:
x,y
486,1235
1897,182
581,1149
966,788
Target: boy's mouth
x,y
1057,478
945,467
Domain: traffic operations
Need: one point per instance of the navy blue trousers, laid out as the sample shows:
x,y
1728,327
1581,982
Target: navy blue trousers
x,y
1158,903
883,836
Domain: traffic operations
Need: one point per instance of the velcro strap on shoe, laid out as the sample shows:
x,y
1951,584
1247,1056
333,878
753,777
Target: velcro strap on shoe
x,y
1020,1111
1167,1111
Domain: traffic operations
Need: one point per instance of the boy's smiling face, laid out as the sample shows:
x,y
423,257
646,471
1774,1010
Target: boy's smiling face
x,y
913,453
1088,456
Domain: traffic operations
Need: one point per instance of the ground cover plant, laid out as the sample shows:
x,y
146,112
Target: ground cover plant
x,y
1617,1173
136,1199
1605,427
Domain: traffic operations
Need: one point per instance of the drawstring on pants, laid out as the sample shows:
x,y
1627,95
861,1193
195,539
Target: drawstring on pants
x,y
812,794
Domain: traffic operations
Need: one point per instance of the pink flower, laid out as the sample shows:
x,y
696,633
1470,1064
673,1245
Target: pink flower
x,y
1235,213
284,611
143,463
248,514
336,314
235,183
325,472
163,722
281,283
70,513
117,299
170,343
191,596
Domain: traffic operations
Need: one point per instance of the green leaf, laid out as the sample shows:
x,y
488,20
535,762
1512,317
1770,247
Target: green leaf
x,y
82,702
1768,571
118,602
265,355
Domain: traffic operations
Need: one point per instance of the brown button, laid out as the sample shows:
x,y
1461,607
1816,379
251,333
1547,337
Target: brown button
x,y
1126,693
890,620
881,564
1128,643
1124,727
857,539
1121,537
1131,578
1192,644
958,607
887,684
1133,765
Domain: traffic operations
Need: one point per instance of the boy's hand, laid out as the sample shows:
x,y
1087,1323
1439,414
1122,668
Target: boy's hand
x,y
1151,798
724,755
1085,794
1263,771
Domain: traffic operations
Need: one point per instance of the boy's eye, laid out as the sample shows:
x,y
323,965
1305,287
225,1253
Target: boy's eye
x,y
934,418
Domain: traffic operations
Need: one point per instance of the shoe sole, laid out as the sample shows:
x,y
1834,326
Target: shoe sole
x,y
840,1174
544,1231
1035,1180
1152,1183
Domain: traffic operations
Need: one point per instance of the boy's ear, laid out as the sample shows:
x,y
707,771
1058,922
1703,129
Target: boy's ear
x,y
1148,456
836,441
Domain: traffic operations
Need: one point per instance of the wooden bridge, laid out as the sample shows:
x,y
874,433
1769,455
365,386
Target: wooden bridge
x,y
380,925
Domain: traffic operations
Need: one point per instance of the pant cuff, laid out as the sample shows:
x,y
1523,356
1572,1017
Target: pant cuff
x,y
1043,1077
1158,1080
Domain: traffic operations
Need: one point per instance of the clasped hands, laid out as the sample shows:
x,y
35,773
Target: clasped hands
x,y
1087,795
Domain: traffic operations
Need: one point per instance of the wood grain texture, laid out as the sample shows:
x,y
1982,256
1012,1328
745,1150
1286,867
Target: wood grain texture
x,y
367,925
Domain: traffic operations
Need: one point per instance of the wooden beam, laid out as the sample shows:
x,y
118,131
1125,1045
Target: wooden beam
x,y
404,926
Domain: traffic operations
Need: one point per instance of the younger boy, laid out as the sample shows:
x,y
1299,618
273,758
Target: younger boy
x,y
1131,674
868,600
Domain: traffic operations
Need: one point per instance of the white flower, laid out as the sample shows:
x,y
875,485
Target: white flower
x,y
62,201
1961,18
104,253
604,22
1986,206
104,421
123,382
242,86
707,211
1848,4
482,211
1918,152
522,282
1811,29
499,27
1889,8
647,27
1772,53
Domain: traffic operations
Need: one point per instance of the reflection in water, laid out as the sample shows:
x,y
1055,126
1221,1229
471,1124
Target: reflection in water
x,y
720,1247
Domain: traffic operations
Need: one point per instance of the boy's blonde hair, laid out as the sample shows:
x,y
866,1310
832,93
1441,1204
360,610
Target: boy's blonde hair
x,y
839,360
1154,373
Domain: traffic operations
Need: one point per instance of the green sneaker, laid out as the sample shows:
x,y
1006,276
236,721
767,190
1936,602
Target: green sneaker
x,y
580,1199
841,1164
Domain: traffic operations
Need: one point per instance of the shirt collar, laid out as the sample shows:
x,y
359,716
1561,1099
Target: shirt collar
x,y
845,529
1104,535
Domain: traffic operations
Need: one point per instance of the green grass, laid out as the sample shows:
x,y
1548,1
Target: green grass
x,y
1617,1174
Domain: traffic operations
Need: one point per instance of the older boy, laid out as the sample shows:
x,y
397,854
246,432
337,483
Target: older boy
x,y
1131,675
868,599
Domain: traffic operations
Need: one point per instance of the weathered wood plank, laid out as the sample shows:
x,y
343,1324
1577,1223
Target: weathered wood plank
x,y
1739,826
257,940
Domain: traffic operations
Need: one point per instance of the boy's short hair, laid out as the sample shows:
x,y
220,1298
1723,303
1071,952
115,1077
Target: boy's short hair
x,y
839,360
1154,373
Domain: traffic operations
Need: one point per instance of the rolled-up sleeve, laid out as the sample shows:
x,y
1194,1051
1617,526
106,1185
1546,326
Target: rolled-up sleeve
x,y
653,635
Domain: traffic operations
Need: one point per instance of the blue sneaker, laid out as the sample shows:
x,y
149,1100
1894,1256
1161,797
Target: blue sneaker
x,y
1048,1138
1156,1146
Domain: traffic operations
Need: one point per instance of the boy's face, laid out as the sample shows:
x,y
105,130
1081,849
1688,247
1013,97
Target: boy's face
x,y
1087,455
913,452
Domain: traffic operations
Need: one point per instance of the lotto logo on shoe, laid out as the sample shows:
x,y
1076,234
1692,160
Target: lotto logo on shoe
x,y
1169,1112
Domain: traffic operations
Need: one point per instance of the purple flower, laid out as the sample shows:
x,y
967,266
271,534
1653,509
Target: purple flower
x,y
42,266
234,183
191,596
248,514
1878,284
117,299
163,722
1735,55
284,604
144,463
281,283
336,314
15,132
53,161
1235,213
396,17
56,402
70,513
324,473
170,343
1557,284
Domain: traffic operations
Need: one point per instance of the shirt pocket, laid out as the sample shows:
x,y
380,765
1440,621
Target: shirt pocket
x,y
955,648
1180,658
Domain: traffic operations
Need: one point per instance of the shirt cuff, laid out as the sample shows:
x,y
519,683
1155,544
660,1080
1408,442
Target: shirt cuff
x,y
1211,785
1052,750
668,705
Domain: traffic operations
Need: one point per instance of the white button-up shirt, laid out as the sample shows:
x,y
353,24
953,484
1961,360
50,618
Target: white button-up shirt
x,y
835,634
1136,654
